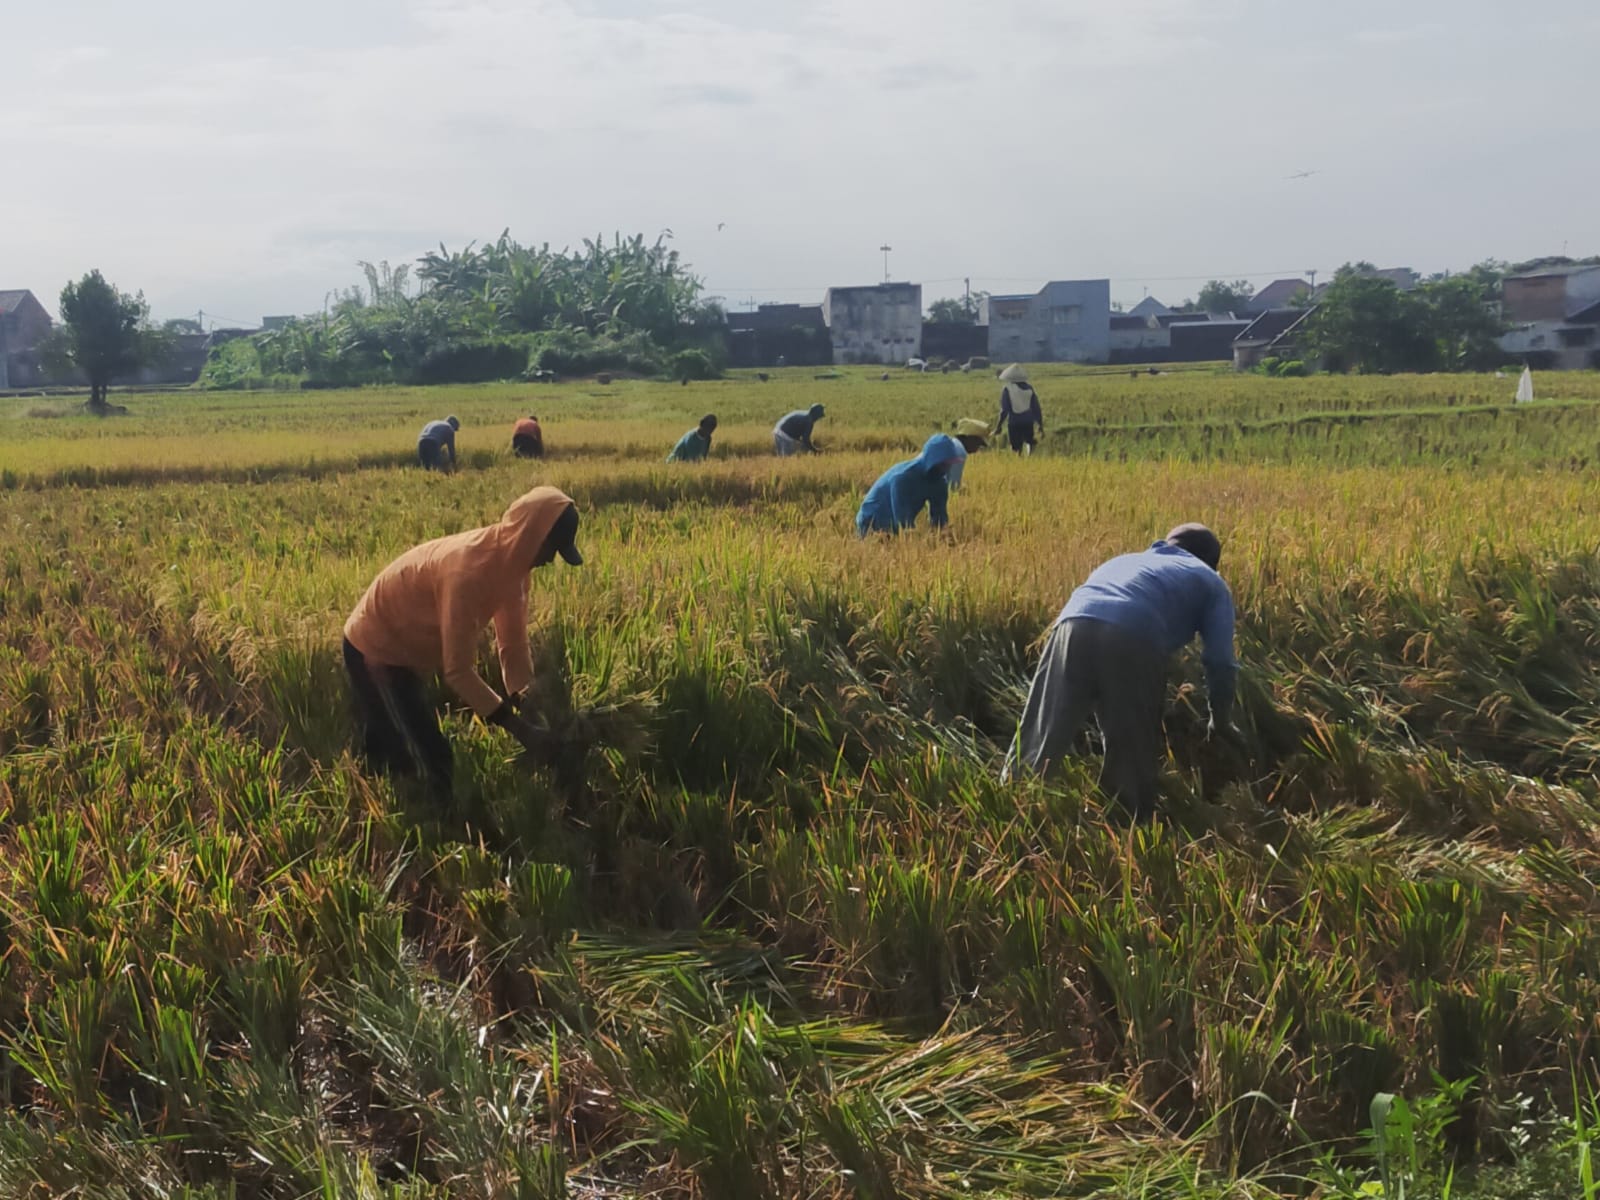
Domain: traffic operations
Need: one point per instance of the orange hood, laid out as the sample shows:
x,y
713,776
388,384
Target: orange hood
x,y
425,610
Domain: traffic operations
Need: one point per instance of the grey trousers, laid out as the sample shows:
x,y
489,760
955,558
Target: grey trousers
x,y
1092,668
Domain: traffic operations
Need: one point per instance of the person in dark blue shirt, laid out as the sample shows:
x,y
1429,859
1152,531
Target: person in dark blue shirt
x,y
792,434
1020,414
905,489
1107,657
436,438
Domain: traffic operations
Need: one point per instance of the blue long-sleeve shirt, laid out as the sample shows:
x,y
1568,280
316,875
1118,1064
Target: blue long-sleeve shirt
x,y
905,489
1167,595
441,432
691,447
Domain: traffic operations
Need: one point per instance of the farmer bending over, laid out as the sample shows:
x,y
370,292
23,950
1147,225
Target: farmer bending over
x,y
423,614
696,444
1020,414
527,439
1107,656
436,438
901,493
793,434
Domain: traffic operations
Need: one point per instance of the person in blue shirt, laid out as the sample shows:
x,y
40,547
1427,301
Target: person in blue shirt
x,y
792,434
435,439
1107,657
905,489
696,444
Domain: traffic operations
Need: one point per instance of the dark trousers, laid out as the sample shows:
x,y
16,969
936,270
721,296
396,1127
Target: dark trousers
x,y
1021,434
525,445
1093,668
430,454
398,728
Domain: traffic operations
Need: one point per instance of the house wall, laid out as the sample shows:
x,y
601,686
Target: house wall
x,y
1542,298
1552,345
24,327
944,339
1067,321
878,324
1138,337
1549,297
21,329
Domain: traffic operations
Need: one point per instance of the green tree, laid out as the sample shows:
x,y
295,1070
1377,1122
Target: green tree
x,y
957,310
105,333
1218,296
1461,321
1364,323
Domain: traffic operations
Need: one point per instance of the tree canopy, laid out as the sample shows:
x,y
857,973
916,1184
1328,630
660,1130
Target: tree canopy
x,y
490,311
104,333
1364,322
957,310
1220,297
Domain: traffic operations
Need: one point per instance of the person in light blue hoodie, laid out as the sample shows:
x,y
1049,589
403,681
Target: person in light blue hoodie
x,y
905,489
1107,657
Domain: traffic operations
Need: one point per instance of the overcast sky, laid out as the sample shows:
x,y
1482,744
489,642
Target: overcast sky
x,y
241,158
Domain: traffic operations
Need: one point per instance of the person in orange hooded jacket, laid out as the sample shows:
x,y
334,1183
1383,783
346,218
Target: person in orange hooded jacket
x,y
423,614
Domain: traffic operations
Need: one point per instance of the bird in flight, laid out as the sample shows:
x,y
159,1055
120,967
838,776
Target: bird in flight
x,y
1301,175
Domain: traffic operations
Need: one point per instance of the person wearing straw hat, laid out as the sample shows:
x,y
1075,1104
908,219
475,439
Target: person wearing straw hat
x,y
1020,413
1107,657
973,435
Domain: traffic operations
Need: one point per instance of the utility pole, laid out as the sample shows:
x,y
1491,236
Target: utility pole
x,y
966,304
886,248
200,320
1313,273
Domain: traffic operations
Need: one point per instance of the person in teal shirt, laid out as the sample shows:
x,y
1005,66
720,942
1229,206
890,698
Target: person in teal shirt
x,y
696,444
905,489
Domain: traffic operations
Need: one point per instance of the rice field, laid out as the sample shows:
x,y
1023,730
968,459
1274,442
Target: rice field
x,y
788,935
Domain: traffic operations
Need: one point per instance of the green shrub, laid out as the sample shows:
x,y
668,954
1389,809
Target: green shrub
x,y
693,364
569,351
475,360
236,366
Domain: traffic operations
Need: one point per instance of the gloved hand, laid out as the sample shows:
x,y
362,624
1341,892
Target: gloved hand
x,y
537,741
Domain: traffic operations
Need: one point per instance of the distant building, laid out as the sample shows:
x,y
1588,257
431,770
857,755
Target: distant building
x,y
1274,334
1132,335
1404,278
270,323
1280,293
1067,320
1554,316
1149,307
954,340
1173,337
880,323
1204,341
796,333
24,323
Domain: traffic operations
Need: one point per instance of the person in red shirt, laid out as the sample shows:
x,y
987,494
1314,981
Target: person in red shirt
x,y
527,439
